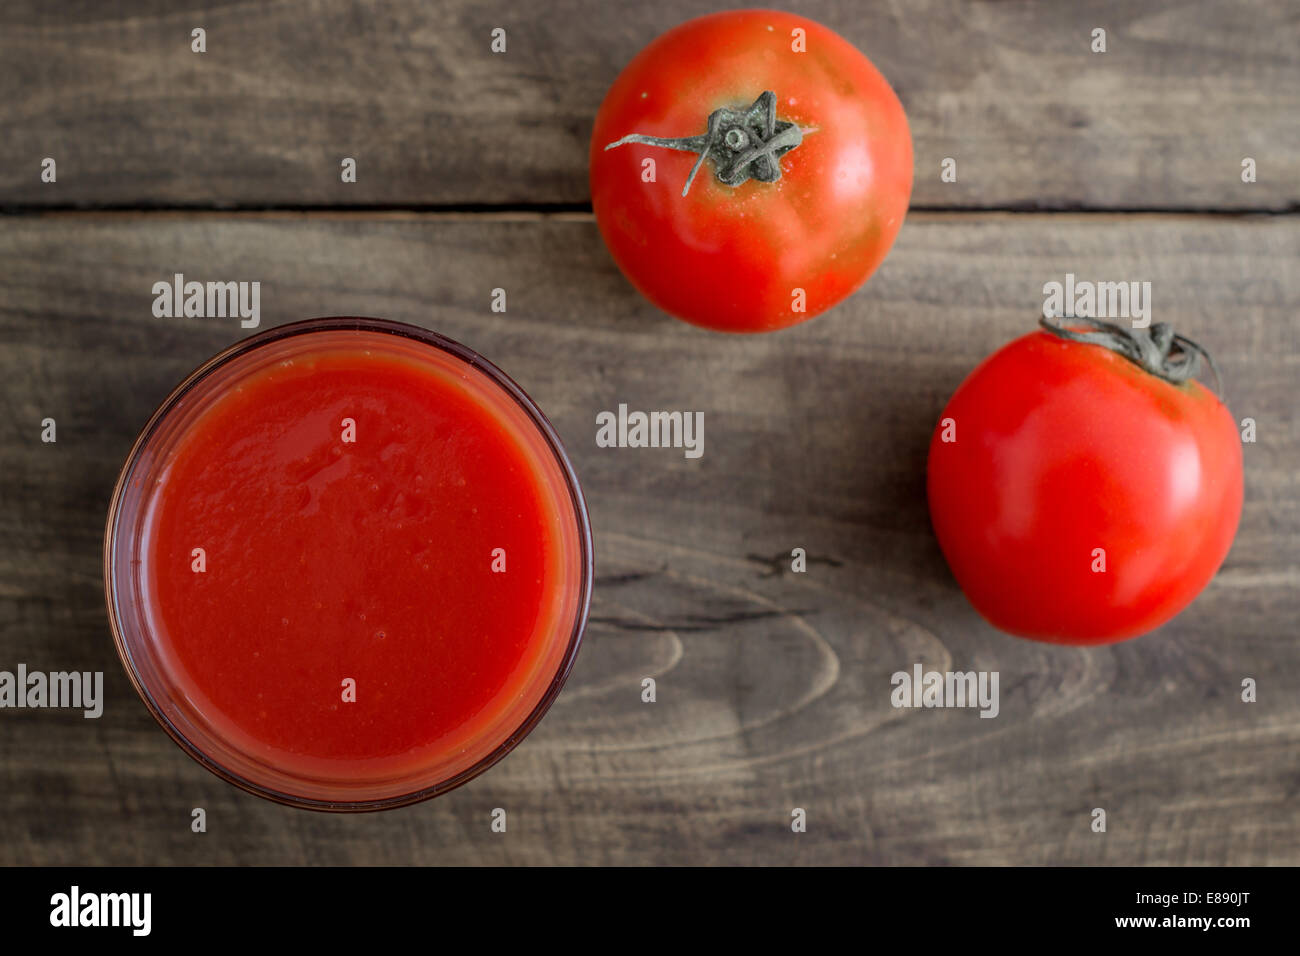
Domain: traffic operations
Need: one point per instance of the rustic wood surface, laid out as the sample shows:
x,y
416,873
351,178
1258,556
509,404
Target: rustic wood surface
x,y
773,688
1012,91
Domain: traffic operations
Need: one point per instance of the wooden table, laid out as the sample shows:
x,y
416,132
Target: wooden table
x,y
773,687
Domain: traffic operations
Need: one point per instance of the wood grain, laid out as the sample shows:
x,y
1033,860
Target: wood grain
x,y
410,88
773,688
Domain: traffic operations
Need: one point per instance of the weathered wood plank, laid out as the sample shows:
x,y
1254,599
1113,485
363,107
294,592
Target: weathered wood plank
x,y
411,90
773,687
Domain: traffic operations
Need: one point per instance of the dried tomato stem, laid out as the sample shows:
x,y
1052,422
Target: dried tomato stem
x,y
1156,348
743,144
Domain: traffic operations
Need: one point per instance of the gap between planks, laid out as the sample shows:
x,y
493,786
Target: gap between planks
x,y
583,213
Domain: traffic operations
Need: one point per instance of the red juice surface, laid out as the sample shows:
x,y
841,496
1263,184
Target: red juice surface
x,y
377,560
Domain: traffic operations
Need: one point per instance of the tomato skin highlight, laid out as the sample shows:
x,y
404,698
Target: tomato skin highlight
x,y
731,257
1062,448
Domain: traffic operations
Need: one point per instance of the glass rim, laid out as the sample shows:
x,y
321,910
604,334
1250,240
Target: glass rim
x,y
586,555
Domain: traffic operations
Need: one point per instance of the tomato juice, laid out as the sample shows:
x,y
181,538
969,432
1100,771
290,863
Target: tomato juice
x,y
348,565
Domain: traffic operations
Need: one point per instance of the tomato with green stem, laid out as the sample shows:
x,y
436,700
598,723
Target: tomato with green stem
x,y
749,170
1083,486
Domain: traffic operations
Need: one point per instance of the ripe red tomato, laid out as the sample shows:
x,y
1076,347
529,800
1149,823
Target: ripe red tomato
x,y
812,138
1063,448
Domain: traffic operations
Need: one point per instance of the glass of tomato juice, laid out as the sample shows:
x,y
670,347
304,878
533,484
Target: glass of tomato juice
x,y
347,564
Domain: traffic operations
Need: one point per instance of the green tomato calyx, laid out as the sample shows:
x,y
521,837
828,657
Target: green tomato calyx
x,y
743,144
1155,348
